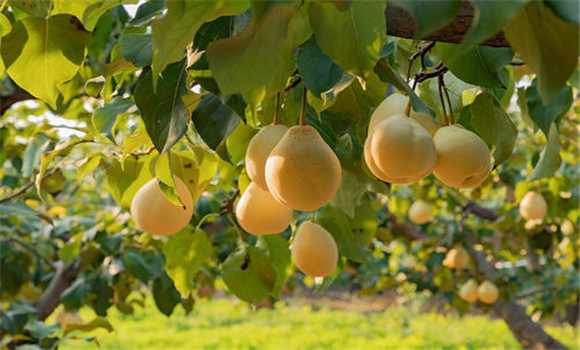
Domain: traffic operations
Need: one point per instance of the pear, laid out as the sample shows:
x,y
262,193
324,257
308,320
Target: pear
x,y
402,150
420,212
533,206
260,214
567,227
487,292
456,258
314,250
155,214
397,104
463,158
468,291
302,171
258,151
68,318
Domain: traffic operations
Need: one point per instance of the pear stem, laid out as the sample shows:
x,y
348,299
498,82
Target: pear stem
x,y
408,108
303,110
451,116
275,122
444,112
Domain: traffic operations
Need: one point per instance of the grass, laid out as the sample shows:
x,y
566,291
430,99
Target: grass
x,y
225,324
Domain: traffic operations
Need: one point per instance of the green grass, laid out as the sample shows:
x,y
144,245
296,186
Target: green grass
x,y
221,324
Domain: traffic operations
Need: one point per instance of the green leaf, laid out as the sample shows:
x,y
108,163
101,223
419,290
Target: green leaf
x,y
137,48
176,29
74,296
352,38
279,251
214,121
165,295
429,15
87,11
567,10
494,125
125,181
186,252
317,70
490,16
31,156
40,330
258,61
38,59
21,209
545,115
548,45
104,118
164,173
94,86
479,66
249,274
71,250
351,235
147,11
354,184
97,322
387,74
550,159
35,8
162,109
5,25
142,265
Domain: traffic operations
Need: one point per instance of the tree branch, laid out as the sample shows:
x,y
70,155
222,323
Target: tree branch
x,y
27,186
30,248
17,96
401,23
49,300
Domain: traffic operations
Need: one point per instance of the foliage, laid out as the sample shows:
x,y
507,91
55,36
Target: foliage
x,y
180,87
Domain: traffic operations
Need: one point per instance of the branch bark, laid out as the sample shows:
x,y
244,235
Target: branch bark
x,y
401,23
49,300
17,96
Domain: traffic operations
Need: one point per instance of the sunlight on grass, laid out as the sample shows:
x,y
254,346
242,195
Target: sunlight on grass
x,y
221,324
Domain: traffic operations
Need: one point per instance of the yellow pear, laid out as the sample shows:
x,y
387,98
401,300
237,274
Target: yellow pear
x,y
258,151
260,214
68,318
567,227
533,206
402,150
463,158
397,104
456,258
468,291
302,171
420,212
314,250
487,292
155,214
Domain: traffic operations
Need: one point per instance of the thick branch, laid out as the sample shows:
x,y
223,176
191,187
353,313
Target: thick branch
x,y
17,96
49,300
401,23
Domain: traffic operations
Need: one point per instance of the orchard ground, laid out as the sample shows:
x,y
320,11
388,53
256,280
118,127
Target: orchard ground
x,y
311,321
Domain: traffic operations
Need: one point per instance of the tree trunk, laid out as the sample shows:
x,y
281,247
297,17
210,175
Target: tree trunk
x,y
527,332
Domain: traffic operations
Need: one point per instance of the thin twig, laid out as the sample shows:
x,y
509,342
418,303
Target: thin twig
x,y
303,109
443,112
451,116
276,109
228,204
137,153
439,70
30,248
28,186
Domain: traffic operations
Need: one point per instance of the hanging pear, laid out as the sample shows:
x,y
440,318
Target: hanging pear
x,y
487,292
155,214
314,250
260,214
533,206
302,171
401,149
258,151
463,158
420,212
468,291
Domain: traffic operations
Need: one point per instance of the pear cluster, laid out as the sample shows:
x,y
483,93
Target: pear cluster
x,y
291,169
403,149
154,213
486,292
